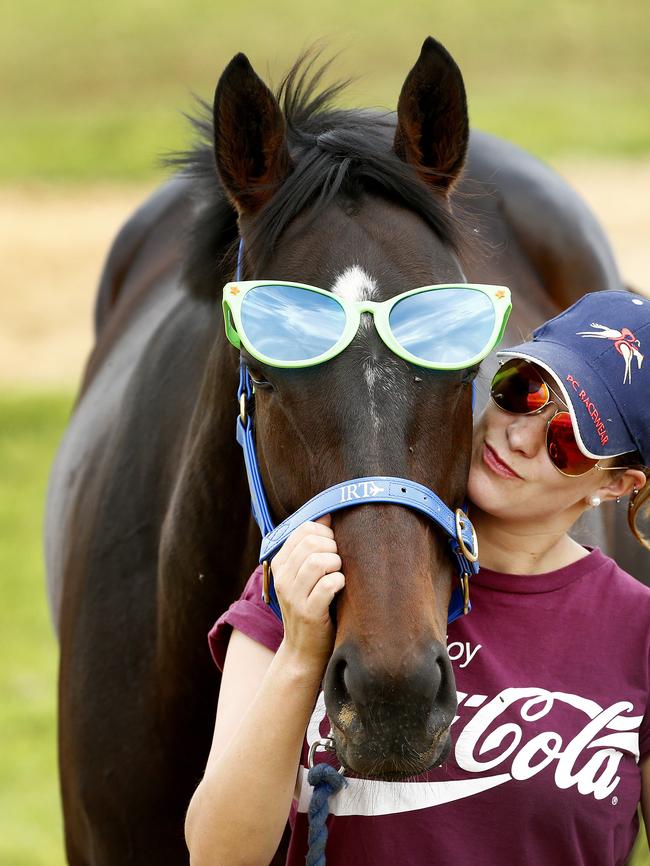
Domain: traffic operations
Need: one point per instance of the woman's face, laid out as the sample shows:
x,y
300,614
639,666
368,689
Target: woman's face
x,y
512,476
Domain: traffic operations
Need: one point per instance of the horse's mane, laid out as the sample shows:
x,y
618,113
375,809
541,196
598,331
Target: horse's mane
x,y
335,151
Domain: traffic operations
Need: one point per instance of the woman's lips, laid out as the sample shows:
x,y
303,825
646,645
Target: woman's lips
x,y
496,464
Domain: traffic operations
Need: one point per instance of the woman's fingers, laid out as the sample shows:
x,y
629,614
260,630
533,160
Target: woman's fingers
x,y
313,569
305,530
313,557
324,591
307,575
306,547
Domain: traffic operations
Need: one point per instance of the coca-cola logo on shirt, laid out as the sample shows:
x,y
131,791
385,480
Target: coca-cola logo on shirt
x,y
608,732
502,743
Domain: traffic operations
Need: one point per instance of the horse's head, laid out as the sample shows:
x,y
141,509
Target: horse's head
x,y
353,203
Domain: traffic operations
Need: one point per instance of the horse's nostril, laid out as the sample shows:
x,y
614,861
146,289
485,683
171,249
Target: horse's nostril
x,y
339,685
442,663
346,679
343,677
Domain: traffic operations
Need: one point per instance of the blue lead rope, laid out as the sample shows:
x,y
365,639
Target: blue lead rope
x,y
326,781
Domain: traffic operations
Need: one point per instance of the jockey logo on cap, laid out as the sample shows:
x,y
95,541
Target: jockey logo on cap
x,y
625,343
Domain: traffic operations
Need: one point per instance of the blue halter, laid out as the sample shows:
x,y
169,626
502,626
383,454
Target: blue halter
x,y
358,491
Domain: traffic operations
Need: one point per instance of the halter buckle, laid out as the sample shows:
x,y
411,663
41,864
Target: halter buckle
x,y
461,521
242,408
464,580
266,582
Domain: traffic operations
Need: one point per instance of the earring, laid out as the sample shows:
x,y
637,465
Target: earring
x,y
618,499
594,501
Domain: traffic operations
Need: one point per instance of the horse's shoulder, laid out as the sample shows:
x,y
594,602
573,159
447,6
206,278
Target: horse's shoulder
x,y
552,224
143,237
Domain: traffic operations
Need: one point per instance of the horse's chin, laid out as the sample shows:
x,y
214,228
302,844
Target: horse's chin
x,y
370,763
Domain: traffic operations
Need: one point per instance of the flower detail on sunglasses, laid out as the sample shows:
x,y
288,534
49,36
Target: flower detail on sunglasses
x,y
625,343
234,290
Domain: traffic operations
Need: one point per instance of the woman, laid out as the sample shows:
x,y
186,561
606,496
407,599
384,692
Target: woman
x,y
552,665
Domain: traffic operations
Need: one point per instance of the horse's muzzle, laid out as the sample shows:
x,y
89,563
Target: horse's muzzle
x,y
390,722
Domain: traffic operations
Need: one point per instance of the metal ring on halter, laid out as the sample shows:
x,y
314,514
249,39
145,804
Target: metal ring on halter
x,y
327,745
465,584
242,408
461,517
266,582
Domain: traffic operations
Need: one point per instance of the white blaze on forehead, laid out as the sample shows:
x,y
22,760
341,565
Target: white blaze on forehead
x,y
355,284
382,380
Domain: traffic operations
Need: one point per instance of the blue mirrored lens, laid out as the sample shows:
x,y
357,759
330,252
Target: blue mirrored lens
x,y
444,326
287,323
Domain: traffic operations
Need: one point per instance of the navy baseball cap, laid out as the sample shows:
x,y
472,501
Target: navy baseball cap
x,y
595,352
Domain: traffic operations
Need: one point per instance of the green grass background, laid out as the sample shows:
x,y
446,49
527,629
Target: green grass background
x,y
30,823
95,91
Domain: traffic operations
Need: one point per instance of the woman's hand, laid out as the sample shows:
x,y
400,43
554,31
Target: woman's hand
x,y
307,576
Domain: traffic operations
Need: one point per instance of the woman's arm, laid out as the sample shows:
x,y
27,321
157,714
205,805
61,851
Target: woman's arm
x,y
645,795
238,813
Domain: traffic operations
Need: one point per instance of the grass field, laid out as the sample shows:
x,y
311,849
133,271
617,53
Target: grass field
x,y
94,90
30,824
30,833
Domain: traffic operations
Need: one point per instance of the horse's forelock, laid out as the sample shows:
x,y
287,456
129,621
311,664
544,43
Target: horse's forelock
x,y
339,154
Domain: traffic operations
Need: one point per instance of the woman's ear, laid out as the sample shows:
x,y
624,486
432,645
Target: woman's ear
x,y
622,485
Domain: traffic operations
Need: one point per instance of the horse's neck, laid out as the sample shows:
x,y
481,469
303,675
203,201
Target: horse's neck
x,y
208,544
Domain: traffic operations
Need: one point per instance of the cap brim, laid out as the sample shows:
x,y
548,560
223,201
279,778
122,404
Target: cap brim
x,y
599,427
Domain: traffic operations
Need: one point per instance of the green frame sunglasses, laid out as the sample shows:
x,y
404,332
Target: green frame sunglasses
x,y
259,302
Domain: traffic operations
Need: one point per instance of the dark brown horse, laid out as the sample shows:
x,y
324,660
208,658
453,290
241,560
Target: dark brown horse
x,y
149,535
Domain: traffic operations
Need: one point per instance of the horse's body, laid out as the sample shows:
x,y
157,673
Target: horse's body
x,y
148,532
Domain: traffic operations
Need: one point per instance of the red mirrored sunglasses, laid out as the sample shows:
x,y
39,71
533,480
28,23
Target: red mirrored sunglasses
x,y
519,389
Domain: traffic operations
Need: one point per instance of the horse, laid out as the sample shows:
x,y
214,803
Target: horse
x,y
148,531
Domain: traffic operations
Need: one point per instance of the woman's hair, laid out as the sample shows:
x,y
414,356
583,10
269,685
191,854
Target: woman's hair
x,y
631,460
638,514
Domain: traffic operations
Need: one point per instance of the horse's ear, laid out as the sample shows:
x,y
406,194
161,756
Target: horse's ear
x,y
249,137
432,123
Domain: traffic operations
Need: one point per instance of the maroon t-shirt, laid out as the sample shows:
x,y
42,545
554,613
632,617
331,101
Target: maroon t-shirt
x,y
553,679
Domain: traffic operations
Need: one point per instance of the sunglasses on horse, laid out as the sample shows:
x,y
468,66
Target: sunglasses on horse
x,y
519,389
445,327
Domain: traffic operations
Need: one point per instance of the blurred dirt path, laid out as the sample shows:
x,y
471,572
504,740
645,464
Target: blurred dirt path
x,y
53,241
